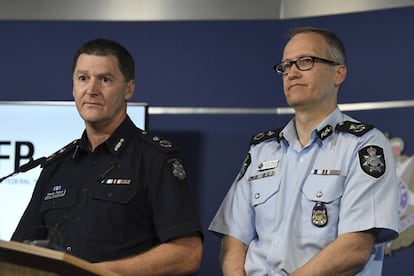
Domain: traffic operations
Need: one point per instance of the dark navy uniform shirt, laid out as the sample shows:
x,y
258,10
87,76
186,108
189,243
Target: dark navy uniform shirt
x,y
124,198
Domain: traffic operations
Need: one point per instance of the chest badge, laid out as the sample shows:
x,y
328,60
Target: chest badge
x,y
319,214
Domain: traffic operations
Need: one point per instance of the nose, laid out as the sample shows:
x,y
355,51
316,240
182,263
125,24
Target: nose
x,y
92,86
293,71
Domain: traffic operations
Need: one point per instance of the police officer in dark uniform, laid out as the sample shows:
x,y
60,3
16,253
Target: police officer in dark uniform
x,y
118,196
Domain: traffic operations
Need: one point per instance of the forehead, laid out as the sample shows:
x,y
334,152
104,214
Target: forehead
x,y
305,44
88,62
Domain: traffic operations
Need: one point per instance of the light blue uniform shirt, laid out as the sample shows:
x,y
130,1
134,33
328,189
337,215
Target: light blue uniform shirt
x,y
269,206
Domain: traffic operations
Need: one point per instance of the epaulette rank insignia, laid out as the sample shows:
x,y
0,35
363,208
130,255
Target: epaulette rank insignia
x,y
263,136
66,149
355,128
160,143
325,132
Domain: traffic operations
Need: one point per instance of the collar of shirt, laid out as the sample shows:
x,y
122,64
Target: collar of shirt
x,y
290,136
116,142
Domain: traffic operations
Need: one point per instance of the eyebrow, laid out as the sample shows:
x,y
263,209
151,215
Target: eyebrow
x,y
102,74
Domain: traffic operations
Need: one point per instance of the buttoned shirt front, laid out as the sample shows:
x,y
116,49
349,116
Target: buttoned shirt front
x,y
292,201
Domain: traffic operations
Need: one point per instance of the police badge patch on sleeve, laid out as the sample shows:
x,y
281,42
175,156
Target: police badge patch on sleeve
x,y
178,169
244,167
372,161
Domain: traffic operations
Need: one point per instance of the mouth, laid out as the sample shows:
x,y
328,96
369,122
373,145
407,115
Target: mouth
x,y
91,104
292,86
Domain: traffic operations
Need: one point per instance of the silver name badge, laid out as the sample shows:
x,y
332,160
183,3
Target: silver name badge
x,y
266,165
55,194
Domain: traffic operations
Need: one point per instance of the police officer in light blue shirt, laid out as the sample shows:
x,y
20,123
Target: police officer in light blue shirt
x,y
319,196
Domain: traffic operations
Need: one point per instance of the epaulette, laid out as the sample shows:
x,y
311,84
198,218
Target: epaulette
x,y
159,143
264,136
355,128
61,152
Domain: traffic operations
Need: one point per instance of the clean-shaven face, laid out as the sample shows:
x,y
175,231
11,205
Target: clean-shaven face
x,y
315,88
100,90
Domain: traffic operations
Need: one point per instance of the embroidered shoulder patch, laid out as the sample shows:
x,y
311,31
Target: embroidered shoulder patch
x,y
372,161
246,164
355,128
263,136
177,169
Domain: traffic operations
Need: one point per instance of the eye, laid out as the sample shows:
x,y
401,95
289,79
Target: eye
x,y
305,61
81,78
106,80
286,65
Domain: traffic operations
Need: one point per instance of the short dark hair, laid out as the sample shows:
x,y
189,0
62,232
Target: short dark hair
x,y
105,47
336,46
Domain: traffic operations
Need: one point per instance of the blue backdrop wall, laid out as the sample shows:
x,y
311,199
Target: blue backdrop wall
x,y
219,64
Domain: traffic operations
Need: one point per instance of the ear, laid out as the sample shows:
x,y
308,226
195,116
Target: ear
x,y
340,74
129,90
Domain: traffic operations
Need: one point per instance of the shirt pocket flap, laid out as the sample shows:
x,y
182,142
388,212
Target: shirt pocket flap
x,y
263,189
121,194
324,188
58,200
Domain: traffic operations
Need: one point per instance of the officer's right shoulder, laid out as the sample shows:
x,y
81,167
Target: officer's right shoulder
x,y
266,136
69,148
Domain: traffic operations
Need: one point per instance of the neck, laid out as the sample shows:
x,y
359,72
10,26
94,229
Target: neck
x,y
306,122
100,132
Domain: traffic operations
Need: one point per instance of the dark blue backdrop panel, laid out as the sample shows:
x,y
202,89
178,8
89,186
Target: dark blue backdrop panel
x,y
178,63
219,64
377,46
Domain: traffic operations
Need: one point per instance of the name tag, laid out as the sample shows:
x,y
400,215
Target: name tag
x,y
266,165
55,194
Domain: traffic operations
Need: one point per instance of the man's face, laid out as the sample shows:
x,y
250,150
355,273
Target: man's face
x,y
100,90
317,87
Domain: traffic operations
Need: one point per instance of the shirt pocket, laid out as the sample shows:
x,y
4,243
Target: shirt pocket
x,y
105,214
327,190
263,189
55,207
264,193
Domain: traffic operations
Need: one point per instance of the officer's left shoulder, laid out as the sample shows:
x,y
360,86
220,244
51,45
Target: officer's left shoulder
x,y
158,143
355,128
266,136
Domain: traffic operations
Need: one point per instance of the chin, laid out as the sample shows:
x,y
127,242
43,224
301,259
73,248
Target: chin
x,y
90,117
294,104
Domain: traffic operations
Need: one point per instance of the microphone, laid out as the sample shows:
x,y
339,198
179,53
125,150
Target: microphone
x,y
43,161
32,164
26,167
48,242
